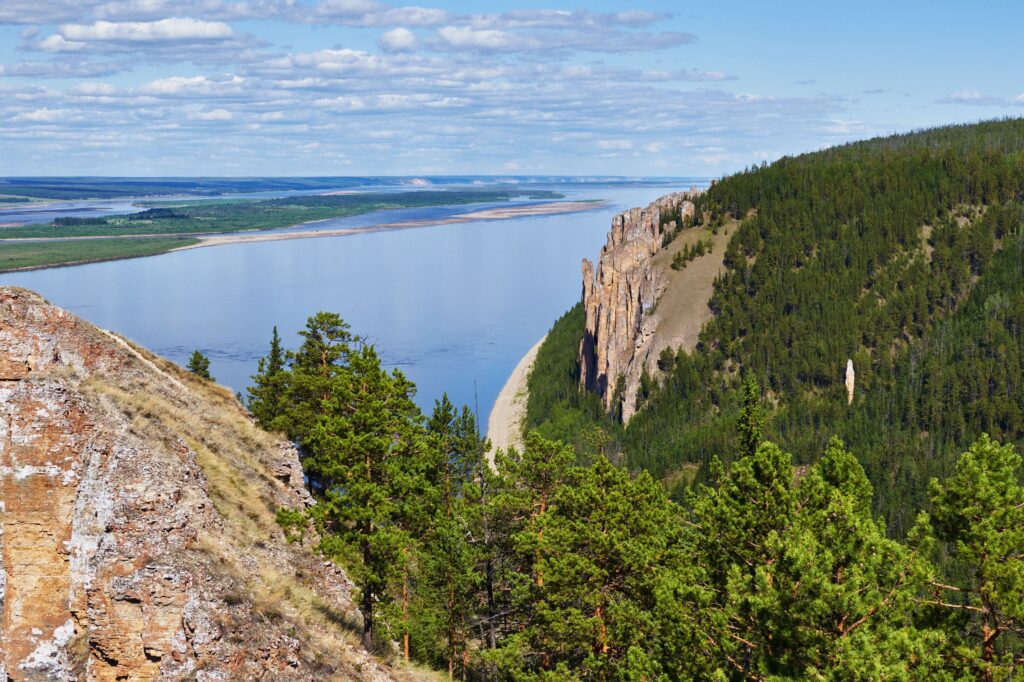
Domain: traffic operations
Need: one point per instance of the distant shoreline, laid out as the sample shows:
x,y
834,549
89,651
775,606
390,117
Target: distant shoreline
x,y
503,213
206,240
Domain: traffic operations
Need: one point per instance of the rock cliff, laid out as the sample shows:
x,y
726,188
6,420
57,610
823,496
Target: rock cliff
x,y
619,297
137,533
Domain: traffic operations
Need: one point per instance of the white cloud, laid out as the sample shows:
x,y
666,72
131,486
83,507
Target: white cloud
x,y
44,115
94,89
58,43
464,37
974,97
64,67
213,115
193,85
369,13
510,166
174,29
397,40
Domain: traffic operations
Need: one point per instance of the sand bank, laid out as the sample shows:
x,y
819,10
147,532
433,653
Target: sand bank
x,y
505,423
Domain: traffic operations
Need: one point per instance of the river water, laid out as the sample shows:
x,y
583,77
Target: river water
x,y
453,306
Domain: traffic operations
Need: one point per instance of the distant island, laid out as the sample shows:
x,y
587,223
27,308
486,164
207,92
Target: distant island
x,y
165,226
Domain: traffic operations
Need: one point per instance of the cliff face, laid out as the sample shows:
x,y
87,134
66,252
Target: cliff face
x,y
137,534
618,300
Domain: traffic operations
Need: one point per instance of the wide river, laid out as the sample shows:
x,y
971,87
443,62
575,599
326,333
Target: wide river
x,y
454,306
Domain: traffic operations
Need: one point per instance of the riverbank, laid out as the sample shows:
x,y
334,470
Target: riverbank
x,y
105,248
504,213
505,423
41,255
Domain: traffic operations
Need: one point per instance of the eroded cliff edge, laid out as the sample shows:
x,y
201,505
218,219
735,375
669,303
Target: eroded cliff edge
x,y
627,325
137,533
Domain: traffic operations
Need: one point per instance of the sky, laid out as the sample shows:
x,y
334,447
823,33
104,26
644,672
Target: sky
x,y
364,87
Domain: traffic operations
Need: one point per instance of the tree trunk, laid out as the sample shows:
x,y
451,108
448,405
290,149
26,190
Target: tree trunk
x,y
405,617
367,609
368,589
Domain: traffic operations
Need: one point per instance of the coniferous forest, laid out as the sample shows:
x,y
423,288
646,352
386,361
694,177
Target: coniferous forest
x,y
747,524
903,254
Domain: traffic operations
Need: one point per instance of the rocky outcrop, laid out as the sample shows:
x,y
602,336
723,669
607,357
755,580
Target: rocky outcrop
x,y
619,296
137,533
851,381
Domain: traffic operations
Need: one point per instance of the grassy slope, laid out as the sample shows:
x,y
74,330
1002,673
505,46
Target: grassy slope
x,y
48,254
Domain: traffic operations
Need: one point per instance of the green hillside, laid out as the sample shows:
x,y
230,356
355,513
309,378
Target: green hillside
x,y
903,253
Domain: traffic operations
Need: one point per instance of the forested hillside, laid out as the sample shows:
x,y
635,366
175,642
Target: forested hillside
x,y
903,253
543,569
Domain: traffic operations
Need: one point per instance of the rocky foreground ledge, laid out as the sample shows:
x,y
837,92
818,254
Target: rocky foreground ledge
x,y
137,532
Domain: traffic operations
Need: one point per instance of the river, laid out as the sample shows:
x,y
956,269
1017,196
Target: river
x,y
453,306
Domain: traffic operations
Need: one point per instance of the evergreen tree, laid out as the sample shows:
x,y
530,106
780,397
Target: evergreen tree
x,y
267,395
791,578
366,449
323,357
752,418
977,518
448,595
199,365
600,548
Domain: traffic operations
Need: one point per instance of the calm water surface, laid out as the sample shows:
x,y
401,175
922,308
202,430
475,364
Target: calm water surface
x,y
454,306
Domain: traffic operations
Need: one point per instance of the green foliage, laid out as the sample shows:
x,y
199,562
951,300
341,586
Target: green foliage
x,y
977,519
752,418
19,256
902,253
199,365
690,252
267,395
543,569
557,407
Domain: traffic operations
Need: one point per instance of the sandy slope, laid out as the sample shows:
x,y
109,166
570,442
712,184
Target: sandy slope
x,y
505,424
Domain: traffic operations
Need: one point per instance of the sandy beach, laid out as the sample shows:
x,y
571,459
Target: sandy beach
x,y
503,213
505,423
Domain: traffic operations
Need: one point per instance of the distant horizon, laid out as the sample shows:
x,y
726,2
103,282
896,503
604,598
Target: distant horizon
x,y
366,176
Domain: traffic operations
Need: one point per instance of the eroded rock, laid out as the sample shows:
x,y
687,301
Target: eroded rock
x,y
617,297
137,534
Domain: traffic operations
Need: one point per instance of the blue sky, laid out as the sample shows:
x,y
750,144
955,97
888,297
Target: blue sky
x,y
360,87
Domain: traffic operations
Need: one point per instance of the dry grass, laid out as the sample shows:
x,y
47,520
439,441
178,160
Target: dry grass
x,y
682,310
258,568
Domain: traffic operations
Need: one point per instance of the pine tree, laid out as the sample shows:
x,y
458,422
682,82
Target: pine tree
x,y
448,583
323,356
977,517
600,548
791,578
366,449
267,395
752,418
199,365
